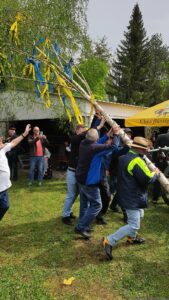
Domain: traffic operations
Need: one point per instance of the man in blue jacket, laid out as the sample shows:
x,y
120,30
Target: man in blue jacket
x,y
133,179
88,176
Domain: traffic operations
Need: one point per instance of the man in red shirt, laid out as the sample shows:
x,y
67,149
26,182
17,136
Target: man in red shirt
x,y
37,144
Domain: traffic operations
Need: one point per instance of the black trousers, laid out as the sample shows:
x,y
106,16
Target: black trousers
x,y
13,165
156,190
115,202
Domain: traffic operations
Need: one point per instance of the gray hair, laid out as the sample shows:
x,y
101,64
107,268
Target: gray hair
x,y
92,135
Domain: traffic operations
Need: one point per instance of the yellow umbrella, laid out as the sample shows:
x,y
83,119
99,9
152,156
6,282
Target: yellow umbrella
x,y
157,115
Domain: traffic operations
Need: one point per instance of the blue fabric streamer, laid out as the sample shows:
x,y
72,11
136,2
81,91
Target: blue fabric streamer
x,y
64,100
56,47
68,69
50,87
41,40
36,64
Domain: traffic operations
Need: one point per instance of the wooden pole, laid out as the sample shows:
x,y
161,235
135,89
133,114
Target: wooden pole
x,y
126,140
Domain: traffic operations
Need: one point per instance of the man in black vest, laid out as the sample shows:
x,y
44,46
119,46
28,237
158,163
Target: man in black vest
x,y
160,162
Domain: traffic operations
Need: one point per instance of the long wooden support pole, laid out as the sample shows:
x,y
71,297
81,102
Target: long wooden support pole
x,y
126,140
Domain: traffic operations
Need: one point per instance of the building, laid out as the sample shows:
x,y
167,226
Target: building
x,y
18,107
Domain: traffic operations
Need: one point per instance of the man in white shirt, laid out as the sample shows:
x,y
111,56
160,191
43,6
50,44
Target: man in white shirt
x,y
5,182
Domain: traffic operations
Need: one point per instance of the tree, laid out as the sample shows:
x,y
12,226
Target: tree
x,y
95,71
94,64
102,51
128,77
63,21
159,70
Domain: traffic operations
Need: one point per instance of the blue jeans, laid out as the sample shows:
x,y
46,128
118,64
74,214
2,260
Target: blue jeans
x,y
90,205
72,193
133,219
39,162
4,203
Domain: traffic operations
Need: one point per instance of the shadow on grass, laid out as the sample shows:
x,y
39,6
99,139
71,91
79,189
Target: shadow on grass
x,y
57,244
47,186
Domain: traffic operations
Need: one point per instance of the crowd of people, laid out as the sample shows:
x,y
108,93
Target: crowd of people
x,y
90,158
99,166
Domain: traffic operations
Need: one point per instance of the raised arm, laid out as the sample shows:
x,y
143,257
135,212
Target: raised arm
x,y
20,138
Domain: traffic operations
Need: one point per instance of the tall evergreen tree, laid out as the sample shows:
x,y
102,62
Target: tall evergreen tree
x,y
128,79
159,70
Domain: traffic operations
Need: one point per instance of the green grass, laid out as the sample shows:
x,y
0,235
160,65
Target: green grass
x,y
37,252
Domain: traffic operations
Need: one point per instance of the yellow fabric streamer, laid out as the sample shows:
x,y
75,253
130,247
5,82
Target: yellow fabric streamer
x,y
44,93
4,65
68,92
66,109
31,71
46,43
13,31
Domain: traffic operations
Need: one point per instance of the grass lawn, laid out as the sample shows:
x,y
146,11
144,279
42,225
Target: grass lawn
x,y
37,252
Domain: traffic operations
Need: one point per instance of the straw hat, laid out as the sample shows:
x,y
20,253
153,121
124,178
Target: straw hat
x,y
140,142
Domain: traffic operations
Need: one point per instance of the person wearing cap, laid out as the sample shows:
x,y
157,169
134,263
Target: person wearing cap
x,y
12,155
5,182
129,132
133,179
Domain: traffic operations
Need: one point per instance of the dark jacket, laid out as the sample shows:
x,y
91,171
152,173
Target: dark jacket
x,y
132,181
90,160
162,141
32,144
74,154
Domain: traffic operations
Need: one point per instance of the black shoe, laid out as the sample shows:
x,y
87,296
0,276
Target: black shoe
x,y
90,230
107,248
67,221
83,233
101,221
72,216
136,240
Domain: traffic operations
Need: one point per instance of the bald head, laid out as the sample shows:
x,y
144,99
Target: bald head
x,y
36,131
92,135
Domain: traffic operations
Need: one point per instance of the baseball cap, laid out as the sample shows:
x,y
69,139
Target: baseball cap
x,y
127,130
